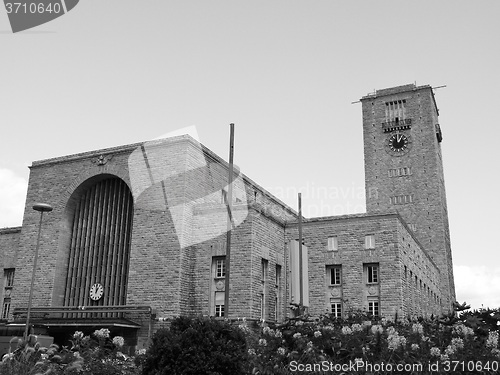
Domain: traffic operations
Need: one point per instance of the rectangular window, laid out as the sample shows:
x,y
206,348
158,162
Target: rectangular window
x,y
395,110
373,307
264,286
264,270
370,241
220,267
372,274
398,172
9,277
333,243
219,304
6,308
336,307
334,275
277,307
402,199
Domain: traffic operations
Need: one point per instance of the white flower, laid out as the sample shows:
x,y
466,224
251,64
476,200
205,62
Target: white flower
x,y
262,342
118,341
251,351
78,335
457,343
435,352
450,350
415,347
377,329
278,334
492,340
281,351
346,330
140,352
317,334
102,333
297,335
462,330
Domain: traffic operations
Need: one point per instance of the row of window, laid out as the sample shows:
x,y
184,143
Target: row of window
x,y
398,172
402,199
373,305
395,110
333,242
370,271
219,267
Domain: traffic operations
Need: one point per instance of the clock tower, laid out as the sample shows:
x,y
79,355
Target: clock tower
x,y
404,170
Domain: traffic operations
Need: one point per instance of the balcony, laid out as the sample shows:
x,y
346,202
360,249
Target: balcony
x,y
390,126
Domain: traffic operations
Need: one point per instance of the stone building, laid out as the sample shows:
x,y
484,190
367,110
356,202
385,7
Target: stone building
x,y
137,235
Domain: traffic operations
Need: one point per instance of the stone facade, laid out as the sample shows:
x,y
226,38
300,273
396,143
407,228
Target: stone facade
x,y
387,261
409,181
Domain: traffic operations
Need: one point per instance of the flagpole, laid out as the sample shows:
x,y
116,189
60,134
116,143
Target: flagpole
x,y
229,201
301,281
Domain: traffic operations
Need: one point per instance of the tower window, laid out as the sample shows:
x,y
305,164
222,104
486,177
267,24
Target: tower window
x,y
402,199
398,172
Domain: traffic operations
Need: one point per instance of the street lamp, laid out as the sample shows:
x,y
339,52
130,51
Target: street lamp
x,y
41,207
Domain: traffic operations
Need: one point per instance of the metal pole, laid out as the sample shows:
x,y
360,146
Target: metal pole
x,y
42,207
229,201
301,282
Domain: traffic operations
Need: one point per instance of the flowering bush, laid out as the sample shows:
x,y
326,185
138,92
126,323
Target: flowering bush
x,y
361,344
89,355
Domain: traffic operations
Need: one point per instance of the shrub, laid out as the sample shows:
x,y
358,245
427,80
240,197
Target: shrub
x,y
196,346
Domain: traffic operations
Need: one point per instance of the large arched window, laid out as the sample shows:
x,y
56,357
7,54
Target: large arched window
x,y
100,245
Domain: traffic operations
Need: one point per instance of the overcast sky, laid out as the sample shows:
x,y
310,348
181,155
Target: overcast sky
x,y
286,73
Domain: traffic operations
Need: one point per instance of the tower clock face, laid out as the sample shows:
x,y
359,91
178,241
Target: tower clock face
x,y
398,144
96,292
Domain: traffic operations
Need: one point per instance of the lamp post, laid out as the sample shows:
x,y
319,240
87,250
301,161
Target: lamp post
x,y
41,207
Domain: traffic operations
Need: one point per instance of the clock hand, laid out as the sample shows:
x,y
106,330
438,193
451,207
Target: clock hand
x,y
398,137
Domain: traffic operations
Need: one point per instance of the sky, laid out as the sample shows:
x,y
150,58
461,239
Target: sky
x,y
286,73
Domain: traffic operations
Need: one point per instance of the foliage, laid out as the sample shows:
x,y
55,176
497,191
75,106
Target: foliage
x,y
462,344
97,354
196,346
465,342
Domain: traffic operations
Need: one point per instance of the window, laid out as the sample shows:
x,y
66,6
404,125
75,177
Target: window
x,y
6,308
402,199
370,241
9,277
373,307
219,304
264,292
8,284
277,307
398,172
334,275
333,243
372,274
395,111
336,307
220,267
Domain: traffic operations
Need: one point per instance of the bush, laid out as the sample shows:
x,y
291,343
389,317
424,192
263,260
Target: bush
x,y
464,344
196,346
